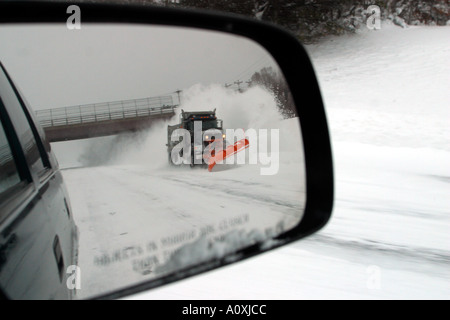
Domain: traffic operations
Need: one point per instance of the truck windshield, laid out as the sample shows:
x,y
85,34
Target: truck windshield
x,y
206,125
211,124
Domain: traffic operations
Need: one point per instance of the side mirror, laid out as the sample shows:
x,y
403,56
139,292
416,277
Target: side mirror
x,y
150,204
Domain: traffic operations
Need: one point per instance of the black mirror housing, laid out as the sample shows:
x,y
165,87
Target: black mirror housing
x,y
293,61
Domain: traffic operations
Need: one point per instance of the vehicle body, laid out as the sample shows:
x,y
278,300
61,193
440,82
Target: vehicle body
x,y
202,130
38,236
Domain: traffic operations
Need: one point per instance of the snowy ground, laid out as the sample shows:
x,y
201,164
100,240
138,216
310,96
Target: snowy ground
x,y
138,217
387,100
388,103
132,219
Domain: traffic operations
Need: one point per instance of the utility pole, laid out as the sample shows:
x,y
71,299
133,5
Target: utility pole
x,y
238,84
179,99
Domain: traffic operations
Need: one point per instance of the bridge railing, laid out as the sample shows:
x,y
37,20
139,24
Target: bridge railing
x,y
105,111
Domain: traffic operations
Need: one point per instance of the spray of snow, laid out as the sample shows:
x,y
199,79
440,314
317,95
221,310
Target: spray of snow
x,y
254,108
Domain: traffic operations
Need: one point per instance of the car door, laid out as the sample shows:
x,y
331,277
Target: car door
x,y
35,223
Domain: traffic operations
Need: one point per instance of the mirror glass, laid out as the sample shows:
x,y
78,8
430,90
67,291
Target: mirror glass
x,y
177,146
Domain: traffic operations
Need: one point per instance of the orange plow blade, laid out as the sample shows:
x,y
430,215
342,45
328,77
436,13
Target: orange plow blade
x,y
228,152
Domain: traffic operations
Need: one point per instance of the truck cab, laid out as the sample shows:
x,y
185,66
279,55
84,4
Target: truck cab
x,y
201,131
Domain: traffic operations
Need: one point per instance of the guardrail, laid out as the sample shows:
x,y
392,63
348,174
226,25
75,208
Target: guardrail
x,y
106,111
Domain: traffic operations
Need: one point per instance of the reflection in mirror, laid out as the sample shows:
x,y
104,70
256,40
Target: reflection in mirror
x,y
177,146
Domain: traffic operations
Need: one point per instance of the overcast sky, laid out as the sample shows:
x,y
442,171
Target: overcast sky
x,y
57,67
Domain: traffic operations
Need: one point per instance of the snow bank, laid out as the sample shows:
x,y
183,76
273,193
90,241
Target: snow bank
x,y
387,87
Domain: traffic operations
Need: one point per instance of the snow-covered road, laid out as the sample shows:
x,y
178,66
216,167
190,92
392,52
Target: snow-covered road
x,y
387,99
132,218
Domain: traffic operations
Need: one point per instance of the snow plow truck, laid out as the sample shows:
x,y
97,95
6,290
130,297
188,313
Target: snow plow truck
x,y
200,140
